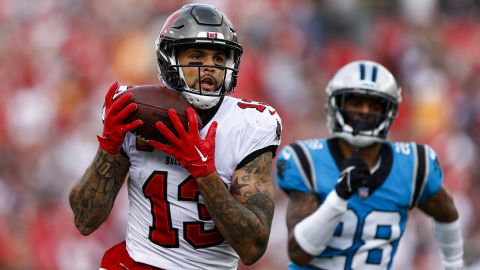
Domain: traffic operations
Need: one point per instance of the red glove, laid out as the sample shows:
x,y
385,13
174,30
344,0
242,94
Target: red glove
x,y
116,112
196,155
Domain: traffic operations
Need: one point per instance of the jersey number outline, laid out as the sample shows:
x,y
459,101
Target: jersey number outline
x,y
246,104
161,232
377,232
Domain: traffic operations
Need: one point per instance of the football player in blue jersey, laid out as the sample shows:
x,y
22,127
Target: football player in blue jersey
x,y
349,195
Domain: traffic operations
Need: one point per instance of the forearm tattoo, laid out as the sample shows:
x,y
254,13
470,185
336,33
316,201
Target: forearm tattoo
x,y
93,196
301,205
243,215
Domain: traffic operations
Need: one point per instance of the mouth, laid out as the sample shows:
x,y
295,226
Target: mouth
x,y
208,83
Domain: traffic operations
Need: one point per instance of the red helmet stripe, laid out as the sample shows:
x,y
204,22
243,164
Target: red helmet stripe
x,y
170,21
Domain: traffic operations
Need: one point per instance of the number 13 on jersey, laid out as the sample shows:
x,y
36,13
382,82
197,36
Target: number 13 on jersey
x,y
162,232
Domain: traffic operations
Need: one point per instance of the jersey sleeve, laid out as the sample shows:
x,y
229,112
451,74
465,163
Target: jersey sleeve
x,y
261,132
128,144
434,178
288,173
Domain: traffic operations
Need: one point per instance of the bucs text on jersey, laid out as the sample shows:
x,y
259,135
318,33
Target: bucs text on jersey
x,y
368,234
168,225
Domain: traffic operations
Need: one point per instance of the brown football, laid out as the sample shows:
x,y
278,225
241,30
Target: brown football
x,y
153,103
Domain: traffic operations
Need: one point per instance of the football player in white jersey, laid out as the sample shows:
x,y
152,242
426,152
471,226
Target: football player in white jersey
x,y
206,199
350,194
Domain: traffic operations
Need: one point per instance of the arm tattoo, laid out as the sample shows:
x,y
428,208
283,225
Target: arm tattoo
x,y
243,215
92,198
300,206
235,187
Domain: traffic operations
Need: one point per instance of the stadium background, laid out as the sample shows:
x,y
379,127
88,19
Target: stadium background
x,y
58,57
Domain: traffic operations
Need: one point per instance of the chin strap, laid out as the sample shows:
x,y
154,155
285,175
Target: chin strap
x,y
201,102
450,241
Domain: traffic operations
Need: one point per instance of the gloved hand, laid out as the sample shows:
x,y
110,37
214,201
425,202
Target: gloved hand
x,y
114,128
197,155
355,175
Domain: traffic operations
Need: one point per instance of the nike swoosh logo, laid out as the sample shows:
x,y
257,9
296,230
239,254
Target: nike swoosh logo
x,y
202,157
272,112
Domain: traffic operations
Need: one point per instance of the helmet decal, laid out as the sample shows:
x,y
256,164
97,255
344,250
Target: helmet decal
x,y
213,35
362,72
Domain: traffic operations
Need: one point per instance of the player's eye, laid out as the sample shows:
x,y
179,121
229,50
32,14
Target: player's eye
x,y
355,103
196,56
219,59
376,107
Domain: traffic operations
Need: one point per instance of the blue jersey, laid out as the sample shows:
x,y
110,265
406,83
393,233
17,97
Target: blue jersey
x,y
368,234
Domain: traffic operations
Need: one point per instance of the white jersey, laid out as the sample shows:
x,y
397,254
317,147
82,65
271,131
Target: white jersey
x,y
168,224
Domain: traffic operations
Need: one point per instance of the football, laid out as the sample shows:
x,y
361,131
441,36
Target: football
x,y
153,103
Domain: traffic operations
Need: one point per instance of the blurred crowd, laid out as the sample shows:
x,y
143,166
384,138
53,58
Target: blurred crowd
x,y
58,57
